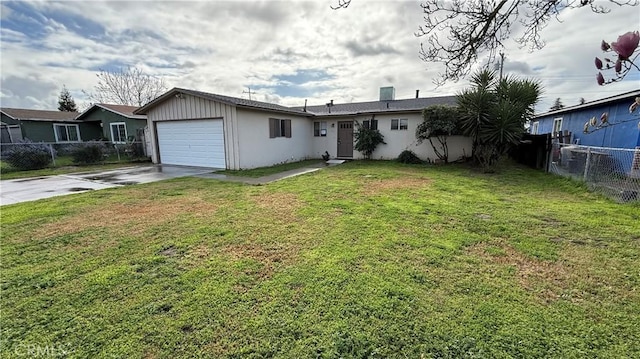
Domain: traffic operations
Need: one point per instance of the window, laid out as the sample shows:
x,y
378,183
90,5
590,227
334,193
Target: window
x,y
400,124
66,133
319,129
279,128
534,128
372,123
118,132
557,125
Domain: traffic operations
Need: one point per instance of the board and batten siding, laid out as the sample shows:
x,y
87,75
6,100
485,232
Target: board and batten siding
x,y
187,107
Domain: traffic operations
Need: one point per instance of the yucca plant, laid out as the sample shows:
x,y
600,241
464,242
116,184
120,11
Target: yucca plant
x,y
494,113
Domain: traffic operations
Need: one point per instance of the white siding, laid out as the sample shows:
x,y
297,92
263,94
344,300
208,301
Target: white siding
x,y
191,107
257,149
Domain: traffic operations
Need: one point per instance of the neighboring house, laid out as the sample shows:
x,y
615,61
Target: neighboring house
x,y
203,129
118,122
10,133
622,132
48,126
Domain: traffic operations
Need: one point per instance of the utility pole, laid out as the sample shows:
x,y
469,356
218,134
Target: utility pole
x,y
501,63
249,92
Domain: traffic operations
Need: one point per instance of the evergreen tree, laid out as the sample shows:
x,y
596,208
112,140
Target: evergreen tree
x,y
557,105
66,102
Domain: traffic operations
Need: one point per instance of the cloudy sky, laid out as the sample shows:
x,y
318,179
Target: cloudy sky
x,y
285,51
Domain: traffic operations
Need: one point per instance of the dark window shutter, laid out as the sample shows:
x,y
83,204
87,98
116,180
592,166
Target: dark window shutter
x,y
374,124
273,125
365,124
287,128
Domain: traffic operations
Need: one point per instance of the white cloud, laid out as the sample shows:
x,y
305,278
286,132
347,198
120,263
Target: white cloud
x,y
224,47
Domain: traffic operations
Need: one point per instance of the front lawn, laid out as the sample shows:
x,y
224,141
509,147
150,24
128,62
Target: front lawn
x,y
365,259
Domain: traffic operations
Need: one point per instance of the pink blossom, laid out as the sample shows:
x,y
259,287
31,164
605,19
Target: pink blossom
x,y
598,63
626,44
604,46
618,66
600,79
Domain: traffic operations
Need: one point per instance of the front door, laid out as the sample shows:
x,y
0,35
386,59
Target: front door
x,y
345,138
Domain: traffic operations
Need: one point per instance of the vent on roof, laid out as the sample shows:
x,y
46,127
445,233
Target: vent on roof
x,y
387,93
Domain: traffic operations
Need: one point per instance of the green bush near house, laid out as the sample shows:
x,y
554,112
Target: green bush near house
x,y
409,157
28,156
88,154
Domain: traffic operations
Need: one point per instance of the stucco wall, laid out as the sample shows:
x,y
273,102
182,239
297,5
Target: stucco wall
x,y
256,149
396,140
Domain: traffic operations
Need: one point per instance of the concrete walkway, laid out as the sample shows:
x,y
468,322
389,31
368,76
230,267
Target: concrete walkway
x,y
257,181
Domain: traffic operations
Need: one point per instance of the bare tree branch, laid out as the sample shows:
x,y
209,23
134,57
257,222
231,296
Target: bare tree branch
x,y
477,27
130,86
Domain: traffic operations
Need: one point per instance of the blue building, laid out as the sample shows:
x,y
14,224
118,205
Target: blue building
x,y
623,130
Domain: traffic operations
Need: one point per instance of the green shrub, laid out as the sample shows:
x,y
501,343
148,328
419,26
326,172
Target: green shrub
x,y
408,156
88,153
367,139
28,156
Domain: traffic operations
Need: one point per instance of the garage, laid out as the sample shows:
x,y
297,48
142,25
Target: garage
x,y
191,143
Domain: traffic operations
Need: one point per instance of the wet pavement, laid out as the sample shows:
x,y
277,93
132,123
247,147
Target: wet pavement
x,y
31,189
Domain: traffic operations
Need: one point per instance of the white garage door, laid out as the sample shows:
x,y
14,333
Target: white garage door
x,y
191,143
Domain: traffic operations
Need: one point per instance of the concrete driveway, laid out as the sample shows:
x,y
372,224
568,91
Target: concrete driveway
x,y
31,189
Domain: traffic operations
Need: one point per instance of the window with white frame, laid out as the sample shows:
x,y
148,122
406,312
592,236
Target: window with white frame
x,y
399,124
66,133
119,132
534,128
557,124
319,129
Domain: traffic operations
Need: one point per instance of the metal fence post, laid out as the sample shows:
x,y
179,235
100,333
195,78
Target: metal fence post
x,y
53,156
586,164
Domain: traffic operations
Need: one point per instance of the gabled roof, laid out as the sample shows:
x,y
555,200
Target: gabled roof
x,y
391,106
38,115
239,102
122,110
623,96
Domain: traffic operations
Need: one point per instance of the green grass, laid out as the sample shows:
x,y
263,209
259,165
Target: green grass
x,y
365,259
266,171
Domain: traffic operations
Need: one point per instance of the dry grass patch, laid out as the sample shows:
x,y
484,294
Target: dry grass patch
x,y
270,256
280,206
371,186
547,279
132,218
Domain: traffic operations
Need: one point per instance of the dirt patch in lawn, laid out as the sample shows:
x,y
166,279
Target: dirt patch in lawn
x,y
132,218
546,279
371,186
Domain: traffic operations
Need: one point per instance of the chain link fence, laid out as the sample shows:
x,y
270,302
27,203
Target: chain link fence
x,y
614,172
37,155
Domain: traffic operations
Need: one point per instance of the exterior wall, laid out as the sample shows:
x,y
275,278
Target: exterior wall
x,y
106,118
623,135
190,107
89,131
328,143
396,140
256,149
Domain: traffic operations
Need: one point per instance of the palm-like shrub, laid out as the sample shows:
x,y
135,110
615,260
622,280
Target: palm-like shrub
x,y
494,113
